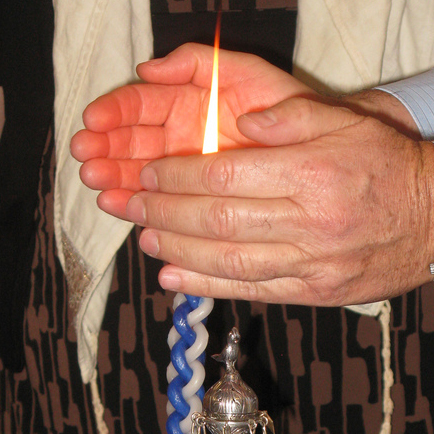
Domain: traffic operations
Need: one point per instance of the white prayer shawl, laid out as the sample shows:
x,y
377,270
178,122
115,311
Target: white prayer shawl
x,y
97,45
348,45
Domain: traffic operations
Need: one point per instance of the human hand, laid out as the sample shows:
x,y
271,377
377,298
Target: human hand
x,y
130,126
343,218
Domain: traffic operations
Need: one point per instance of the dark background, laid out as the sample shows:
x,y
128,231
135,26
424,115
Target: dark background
x,y
268,33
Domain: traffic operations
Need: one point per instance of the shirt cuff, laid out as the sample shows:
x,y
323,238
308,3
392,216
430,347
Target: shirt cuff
x,y
417,95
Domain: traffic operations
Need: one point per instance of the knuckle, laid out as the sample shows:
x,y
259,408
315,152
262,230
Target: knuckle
x,y
326,296
319,173
221,220
135,144
247,291
330,288
304,108
233,263
175,178
332,222
178,251
163,212
221,175
268,271
330,209
312,179
204,285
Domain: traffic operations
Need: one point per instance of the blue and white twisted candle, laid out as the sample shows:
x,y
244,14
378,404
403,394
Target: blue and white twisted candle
x,y
187,340
188,337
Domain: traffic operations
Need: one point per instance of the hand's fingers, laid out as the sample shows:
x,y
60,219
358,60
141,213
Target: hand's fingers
x,y
114,202
180,66
249,220
280,290
192,63
286,290
249,81
254,172
104,174
237,261
295,120
138,104
121,143
262,172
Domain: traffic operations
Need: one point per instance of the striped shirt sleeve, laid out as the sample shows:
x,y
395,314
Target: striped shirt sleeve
x,y
417,95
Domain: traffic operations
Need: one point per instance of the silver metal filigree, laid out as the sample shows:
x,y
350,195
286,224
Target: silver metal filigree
x,y
230,406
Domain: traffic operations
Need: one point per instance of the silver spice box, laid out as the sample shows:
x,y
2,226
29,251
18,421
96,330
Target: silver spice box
x,y
231,406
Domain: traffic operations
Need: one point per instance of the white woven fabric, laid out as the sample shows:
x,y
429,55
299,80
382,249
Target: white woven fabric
x,y
344,46
97,45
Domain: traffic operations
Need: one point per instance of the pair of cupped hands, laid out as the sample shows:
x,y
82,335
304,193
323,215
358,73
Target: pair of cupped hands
x,y
310,200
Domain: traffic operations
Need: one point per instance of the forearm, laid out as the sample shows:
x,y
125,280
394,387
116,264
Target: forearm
x,y
384,107
407,105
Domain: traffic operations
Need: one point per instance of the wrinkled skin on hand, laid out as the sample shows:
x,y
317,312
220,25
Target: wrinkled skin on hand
x,y
329,207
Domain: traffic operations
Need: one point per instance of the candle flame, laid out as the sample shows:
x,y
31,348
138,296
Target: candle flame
x,y
210,140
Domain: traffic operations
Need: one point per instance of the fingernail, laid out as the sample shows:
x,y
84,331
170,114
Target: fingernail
x,y
149,243
170,281
136,210
262,119
149,179
157,61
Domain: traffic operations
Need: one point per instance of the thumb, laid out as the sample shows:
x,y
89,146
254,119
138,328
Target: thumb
x,y
295,120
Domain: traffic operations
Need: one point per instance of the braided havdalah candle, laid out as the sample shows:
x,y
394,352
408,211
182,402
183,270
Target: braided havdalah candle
x,y
188,337
187,340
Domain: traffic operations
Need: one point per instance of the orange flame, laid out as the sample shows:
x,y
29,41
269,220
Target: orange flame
x,y
210,140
